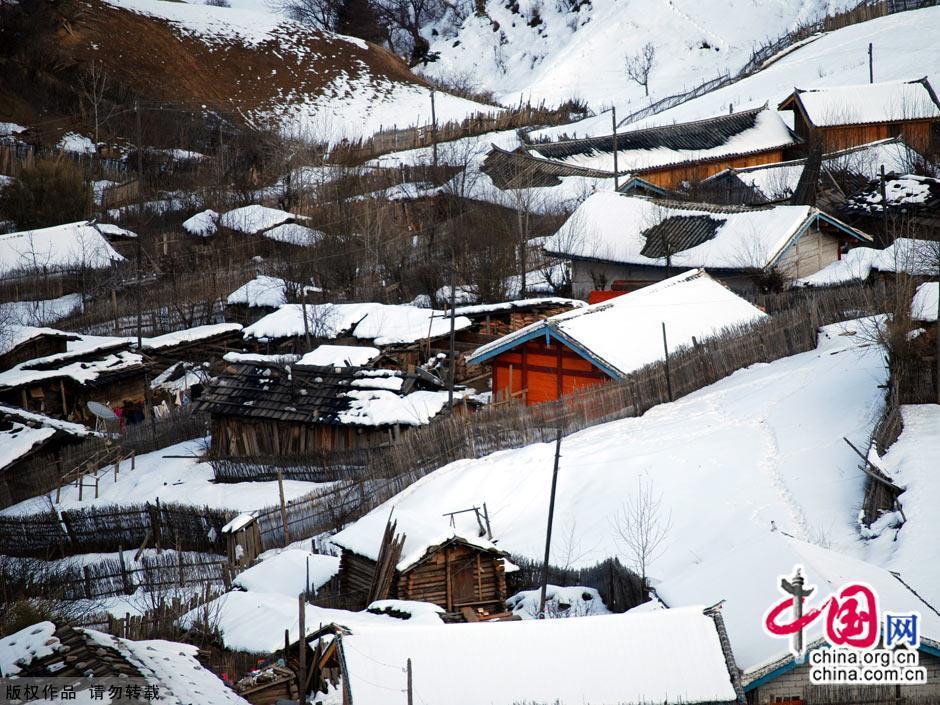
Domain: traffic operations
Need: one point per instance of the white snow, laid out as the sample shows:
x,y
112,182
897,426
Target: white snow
x,y
869,102
625,333
749,592
383,407
417,612
340,356
855,265
763,445
254,219
262,291
40,312
664,656
364,536
76,143
12,336
255,358
560,602
915,257
55,248
177,475
174,668
384,324
925,303
110,358
912,462
203,224
75,429
189,335
294,234
19,440
611,227
285,573
23,647
10,128
483,309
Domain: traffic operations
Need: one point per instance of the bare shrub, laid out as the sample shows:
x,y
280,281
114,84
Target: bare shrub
x,y
47,193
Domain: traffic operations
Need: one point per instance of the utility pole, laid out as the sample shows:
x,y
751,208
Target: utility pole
x,y
548,532
613,116
280,489
433,132
411,694
302,646
140,216
884,209
871,64
452,366
668,376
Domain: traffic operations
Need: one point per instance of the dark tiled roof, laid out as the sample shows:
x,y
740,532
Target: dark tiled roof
x,y
677,233
304,394
689,136
900,193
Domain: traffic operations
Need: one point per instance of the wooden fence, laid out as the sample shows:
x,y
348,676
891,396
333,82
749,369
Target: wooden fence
x,y
69,580
113,528
325,467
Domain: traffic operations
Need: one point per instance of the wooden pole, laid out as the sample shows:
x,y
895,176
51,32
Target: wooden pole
x,y
884,210
140,216
452,367
302,646
433,132
668,375
871,64
613,115
548,531
410,683
280,489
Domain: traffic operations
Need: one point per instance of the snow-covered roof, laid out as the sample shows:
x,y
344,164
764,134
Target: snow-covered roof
x,y
25,646
261,291
645,150
12,336
258,358
56,248
272,223
905,193
916,257
340,356
665,656
502,306
859,104
625,333
385,324
778,181
364,536
855,265
924,305
189,335
40,312
18,440
294,234
747,578
84,363
286,572
33,419
612,227
203,224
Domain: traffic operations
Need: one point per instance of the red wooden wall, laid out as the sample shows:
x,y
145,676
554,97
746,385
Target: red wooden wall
x,y
541,372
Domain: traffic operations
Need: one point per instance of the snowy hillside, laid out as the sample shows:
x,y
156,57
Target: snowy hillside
x,y
272,71
904,45
568,49
761,448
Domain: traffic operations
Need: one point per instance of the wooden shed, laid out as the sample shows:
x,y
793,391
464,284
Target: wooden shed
x,y
590,346
267,409
61,385
846,116
21,343
407,558
665,157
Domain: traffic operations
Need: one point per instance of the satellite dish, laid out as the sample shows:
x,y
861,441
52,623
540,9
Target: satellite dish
x,y
102,412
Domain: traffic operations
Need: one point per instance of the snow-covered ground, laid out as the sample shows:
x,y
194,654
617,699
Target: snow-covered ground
x,y
904,49
762,447
176,475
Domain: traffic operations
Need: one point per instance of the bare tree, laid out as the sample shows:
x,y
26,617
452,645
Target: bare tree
x,y
640,65
92,88
318,13
641,527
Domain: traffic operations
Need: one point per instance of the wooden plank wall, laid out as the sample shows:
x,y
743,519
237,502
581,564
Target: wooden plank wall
x,y
541,372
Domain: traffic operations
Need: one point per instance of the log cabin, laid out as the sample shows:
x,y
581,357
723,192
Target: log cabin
x,y
622,242
22,343
606,341
666,157
846,116
103,370
913,204
408,558
268,409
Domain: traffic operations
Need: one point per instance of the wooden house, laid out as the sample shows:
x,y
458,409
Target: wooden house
x,y
104,370
267,409
913,205
407,558
665,157
207,343
846,116
21,343
657,656
590,346
842,173
622,242
61,248
263,295
769,673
